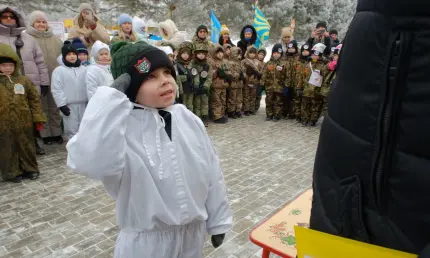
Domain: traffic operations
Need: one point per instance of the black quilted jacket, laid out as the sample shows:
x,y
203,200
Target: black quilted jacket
x,y
372,168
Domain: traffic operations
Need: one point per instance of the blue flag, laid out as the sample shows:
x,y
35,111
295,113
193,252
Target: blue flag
x,y
262,27
215,27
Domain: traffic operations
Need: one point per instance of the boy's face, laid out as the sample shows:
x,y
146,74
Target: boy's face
x,y
291,50
158,90
248,35
286,39
220,55
276,55
40,25
126,27
227,52
202,34
7,68
333,36
8,18
83,57
251,55
71,58
335,56
185,56
104,56
261,56
305,53
201,56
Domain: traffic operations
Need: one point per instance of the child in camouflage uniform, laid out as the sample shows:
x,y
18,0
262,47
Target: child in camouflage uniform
x,y
202,73
290,95
302,73
329,78
20,112
261,55
221,79
312,100
252,69
185,78
234,102
274,76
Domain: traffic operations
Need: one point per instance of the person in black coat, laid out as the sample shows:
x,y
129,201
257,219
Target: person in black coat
x,y
372,167
224,37
248,37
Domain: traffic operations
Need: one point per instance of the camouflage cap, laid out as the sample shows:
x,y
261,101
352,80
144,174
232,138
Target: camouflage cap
x,y
186,45
201,47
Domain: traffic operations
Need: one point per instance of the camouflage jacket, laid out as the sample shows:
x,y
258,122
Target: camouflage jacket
x,y
235,66
219,64
302,72
184,77
274,76
201,71
309,90
330,75
291,75
251,64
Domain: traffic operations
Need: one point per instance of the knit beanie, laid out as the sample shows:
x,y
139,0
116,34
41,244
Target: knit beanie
x,y
79,46
321,24
292,44
277,48
123,18
286,31
139,60
202,27
224,30
97,46
67,48
85,6
36,16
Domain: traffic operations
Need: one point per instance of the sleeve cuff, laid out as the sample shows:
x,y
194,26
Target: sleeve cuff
x,y
39,118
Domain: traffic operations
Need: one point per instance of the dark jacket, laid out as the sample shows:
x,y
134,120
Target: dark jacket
x,y
243,43
221,41
372,167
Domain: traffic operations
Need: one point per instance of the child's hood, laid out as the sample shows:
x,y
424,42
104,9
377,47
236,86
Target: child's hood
x,y
7,51
249,49
235,53
97,46
215,49
60,60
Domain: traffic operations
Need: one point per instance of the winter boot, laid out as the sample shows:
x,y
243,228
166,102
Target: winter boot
x,y
313,123
292,117
276,118
47,140
17,179
239,114
31,175
58,139
269,118
39,151
247,113
231,115
298,119
205,120
221,120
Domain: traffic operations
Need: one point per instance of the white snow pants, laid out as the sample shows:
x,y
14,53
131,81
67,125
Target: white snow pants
x,y
173,242
71,123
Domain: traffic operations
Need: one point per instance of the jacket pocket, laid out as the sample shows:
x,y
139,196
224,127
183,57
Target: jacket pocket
x,y
350,210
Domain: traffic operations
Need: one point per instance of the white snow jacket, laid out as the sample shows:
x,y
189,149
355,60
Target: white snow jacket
x,y
68,85
97,75
156,182
174,36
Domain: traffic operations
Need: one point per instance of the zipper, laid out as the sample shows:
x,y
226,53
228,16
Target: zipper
x,y
386,131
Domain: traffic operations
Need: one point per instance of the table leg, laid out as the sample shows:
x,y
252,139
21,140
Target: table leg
x,y
266,253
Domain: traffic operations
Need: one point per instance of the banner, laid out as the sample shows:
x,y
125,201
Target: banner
x,y
262,27
215,27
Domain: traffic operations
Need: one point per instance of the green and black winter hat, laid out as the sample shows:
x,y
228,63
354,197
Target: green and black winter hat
x,y
139,60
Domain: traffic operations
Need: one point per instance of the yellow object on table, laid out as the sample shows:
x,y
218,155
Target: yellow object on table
x,y
315,244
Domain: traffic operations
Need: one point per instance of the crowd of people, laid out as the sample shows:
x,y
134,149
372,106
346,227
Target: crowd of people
x,y
214,81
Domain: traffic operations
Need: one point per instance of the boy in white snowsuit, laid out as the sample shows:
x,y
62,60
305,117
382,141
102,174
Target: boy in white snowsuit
x,y
98,74
69,90
154,158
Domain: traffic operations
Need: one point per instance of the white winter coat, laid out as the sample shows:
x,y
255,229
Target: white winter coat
x,y
174,37
161,186
68,85
97,75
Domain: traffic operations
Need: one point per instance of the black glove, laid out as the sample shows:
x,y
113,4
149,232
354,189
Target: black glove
x,y
200,90
65,110
44,89
299,92
260,89
196,88
122,83
257,74
249,70
221,73
241,76
217,240
229,78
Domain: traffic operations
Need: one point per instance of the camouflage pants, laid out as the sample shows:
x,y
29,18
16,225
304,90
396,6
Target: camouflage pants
x,y
317,102
218,101
188,99
249,96
306,109
17,153
273,104
297,106
201,105
234,100
53,125
324,106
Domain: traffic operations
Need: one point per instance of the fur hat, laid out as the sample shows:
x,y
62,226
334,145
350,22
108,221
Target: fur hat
x,y
79,46
36,16
123,18
85,6
139,60
224,30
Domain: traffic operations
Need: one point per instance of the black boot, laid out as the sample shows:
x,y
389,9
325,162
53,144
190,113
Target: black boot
x,y
299,119
313,123
205,120
239,114
17,179
58,139
47,140
231,115
221,120
247,113
276,118
291,116
31,175
39,150
269,118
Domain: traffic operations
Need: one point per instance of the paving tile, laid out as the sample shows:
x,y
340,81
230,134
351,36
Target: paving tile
x,y
63,214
